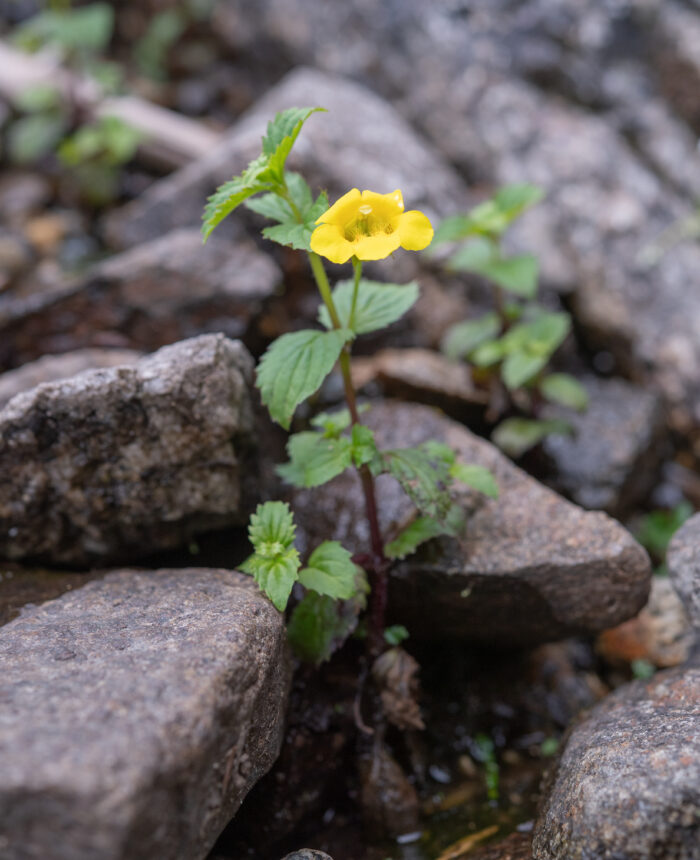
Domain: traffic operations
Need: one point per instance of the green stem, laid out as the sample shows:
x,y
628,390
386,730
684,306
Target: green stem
x,y
357,268
380,564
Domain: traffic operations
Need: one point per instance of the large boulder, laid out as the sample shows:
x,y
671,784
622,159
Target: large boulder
x,y
355,146
137,712
627,784
124,461
531,568
162,291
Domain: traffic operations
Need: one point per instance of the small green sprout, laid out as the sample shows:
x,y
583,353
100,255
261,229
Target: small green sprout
x,y
514,343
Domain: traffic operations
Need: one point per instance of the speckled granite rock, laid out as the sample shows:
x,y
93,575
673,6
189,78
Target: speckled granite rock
x,y
51,368
610,461
627,785
162,291
354,146
121,462
137,712
531,568
684,567
660,634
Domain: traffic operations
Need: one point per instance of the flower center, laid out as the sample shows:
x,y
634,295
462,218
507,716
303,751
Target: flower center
x,y
366,224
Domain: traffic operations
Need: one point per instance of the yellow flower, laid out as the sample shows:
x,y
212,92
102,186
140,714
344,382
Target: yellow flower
x,y
369,226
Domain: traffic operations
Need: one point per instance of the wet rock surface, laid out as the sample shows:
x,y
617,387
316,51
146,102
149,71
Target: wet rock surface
x,y
628,781
684,567
162,291
50,368
99,466
610,460
137,713
356,149
536,566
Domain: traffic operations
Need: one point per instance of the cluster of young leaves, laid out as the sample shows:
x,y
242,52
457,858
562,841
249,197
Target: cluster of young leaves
x,y
266,175
92,152
518,342
427,473
336,587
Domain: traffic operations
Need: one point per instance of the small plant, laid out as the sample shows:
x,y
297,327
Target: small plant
x,y
511,346
92,150
359,226
656,529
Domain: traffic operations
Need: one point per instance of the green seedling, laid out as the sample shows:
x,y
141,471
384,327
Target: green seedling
x,y
513,344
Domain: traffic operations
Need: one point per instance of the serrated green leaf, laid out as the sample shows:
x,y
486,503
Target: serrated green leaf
x,y
320,625
332,423
293,368
462,338
275,575
32,137
272,522
291,234
513,200
315,459
378,304
439,451
275,563
364,448
282,133
477,477
515,436
474,255
564,389
451,230
423,477
255,179
520,367
330,571
271,206
422,529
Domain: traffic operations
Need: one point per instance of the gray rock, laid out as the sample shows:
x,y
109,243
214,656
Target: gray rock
x,y
54,367
21,194
627,784
355,146
137,712
159,292
684,567
661,634
610,461
531,568
678,58
122,462
423,376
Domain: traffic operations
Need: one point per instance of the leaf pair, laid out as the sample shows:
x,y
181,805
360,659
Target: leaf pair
x,y
295,365
275,563
263,174
294,228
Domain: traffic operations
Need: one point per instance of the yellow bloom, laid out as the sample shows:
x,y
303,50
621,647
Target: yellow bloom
x,y
369,226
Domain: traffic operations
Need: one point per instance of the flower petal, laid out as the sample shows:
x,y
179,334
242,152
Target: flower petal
x,y
328,241
376,247
344,209
415,230
384,206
